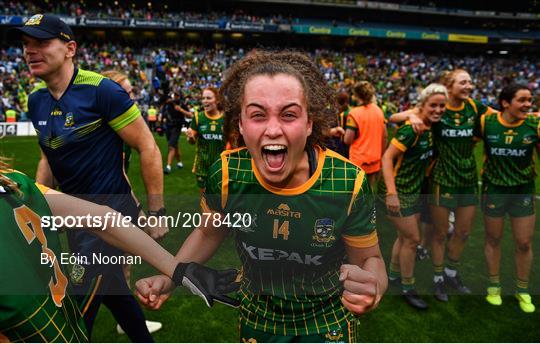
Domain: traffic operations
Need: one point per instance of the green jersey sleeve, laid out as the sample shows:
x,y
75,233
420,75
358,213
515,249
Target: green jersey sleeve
x,y
360,226
405,138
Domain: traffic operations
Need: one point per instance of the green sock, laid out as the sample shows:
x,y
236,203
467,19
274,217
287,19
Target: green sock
x,y
438,273
394,271
522,286
494,281
452,264
407,283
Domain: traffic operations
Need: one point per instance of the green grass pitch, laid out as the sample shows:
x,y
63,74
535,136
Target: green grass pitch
x,y
185,318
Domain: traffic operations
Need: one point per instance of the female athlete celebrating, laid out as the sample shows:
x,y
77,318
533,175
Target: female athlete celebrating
x,y
312,258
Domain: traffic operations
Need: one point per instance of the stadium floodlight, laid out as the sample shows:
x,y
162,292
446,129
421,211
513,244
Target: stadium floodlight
x,y
503,52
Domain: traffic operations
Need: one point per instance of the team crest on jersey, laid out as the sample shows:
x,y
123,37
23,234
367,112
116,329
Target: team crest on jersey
x,y
34,20
527,201
447,196
77,274
324,229
334,335
213,127
70,122
527,140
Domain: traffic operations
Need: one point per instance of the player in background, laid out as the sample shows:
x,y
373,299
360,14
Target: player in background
x,y
337,132
454,181
312,258
174,113
35,297
404,167
365,131
122,79
511,140
206,132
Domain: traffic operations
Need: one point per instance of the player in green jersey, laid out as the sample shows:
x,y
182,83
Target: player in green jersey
x,y
454,178
404,166
510,140
35,300
206,131
310,258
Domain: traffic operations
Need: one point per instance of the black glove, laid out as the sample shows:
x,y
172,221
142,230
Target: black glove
x,y
211,285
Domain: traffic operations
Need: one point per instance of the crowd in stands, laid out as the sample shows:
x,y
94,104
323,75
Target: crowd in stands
x,y
397,75
112,9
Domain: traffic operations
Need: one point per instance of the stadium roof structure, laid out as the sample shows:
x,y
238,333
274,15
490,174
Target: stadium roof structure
x,y
420,8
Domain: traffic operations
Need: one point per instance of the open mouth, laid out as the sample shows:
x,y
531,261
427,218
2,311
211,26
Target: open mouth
x,y
274,156
34,62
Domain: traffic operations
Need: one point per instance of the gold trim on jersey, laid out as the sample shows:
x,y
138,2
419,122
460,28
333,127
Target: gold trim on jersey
x,y
350,123
42,188
330,153
448,107
296,190
363,241
504,123
204,205
398,145
225,174
357,187
473,104
213,118
483,124
91,298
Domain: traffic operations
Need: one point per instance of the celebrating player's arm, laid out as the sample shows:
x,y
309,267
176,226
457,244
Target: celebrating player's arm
x,y
364,275
391,154
364,279
410,115
208,283
198,248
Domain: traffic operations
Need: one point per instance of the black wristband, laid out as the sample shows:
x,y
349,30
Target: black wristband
x,y
178,274
160,212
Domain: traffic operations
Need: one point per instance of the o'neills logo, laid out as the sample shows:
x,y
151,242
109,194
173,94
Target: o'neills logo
x,y
285,211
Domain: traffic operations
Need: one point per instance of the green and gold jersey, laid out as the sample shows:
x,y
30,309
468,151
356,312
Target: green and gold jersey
x,y
293,248
411,168
34,302
454,143
509,149
210,143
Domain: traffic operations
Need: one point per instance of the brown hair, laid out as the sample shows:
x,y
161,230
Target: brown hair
x,y
319,95
342,100
115,76
364,91
5,181
219,100
449,77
